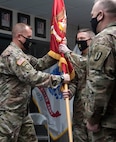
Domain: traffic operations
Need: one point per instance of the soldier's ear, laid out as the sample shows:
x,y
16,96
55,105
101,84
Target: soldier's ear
x,y
100,15
18,36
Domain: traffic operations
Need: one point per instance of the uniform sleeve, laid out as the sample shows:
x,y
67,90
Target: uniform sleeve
x,y
42,63
75,58
73,86
26,73
79,63
100,79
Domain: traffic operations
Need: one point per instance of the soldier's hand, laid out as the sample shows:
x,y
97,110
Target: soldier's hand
x,y
63,49
94,128
66,94
66,78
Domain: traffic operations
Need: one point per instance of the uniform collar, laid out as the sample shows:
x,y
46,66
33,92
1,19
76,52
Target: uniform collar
x,y
112,24
14,45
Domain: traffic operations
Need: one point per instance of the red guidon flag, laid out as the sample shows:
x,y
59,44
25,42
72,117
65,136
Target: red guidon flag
x,y
58,35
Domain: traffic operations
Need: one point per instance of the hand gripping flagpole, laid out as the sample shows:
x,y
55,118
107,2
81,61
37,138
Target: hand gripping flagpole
x,y
67,103
69,122
68,116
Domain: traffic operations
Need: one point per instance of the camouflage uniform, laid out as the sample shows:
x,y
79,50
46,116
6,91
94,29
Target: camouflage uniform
x,y
80,133
42,63
101,85
16,78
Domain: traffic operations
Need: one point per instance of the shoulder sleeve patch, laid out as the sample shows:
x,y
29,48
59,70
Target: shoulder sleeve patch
x,y
97,56
21,61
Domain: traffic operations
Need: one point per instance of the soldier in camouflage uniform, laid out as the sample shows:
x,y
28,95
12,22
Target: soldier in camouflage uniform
x,y
101,76
84,37
17,74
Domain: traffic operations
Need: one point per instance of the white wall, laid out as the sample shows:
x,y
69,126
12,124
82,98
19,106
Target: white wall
x,y
71,30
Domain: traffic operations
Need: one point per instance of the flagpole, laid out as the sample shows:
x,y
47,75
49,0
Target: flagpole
x,y
68,116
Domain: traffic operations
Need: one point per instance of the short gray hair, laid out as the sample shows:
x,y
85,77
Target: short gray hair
x,y
87,30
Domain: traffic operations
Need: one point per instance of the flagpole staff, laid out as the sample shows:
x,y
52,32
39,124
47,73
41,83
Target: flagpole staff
x,y
68,116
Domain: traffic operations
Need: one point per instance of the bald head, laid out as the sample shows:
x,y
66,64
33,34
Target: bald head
x,y
108,6
20,28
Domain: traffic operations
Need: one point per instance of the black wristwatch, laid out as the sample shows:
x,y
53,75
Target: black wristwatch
x,y
62,78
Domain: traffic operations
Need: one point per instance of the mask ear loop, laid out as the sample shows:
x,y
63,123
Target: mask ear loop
x,y
89,39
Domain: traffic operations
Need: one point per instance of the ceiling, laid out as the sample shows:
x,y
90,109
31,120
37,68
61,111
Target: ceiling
x,y
78,11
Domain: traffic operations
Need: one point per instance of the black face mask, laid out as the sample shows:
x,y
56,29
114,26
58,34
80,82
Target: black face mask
x,y
27,43
94,24
82,44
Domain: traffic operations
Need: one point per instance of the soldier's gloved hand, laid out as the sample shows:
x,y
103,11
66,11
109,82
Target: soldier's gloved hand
x,y
65,78
63,48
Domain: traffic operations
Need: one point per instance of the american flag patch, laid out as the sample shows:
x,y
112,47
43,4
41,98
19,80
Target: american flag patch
x,y
20,61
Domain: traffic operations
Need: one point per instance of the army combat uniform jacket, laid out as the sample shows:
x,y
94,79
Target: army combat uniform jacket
x,y
101,79
17,75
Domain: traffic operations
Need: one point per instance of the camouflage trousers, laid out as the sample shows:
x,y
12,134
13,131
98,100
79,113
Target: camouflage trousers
x,y
80,132
15,128
104,135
